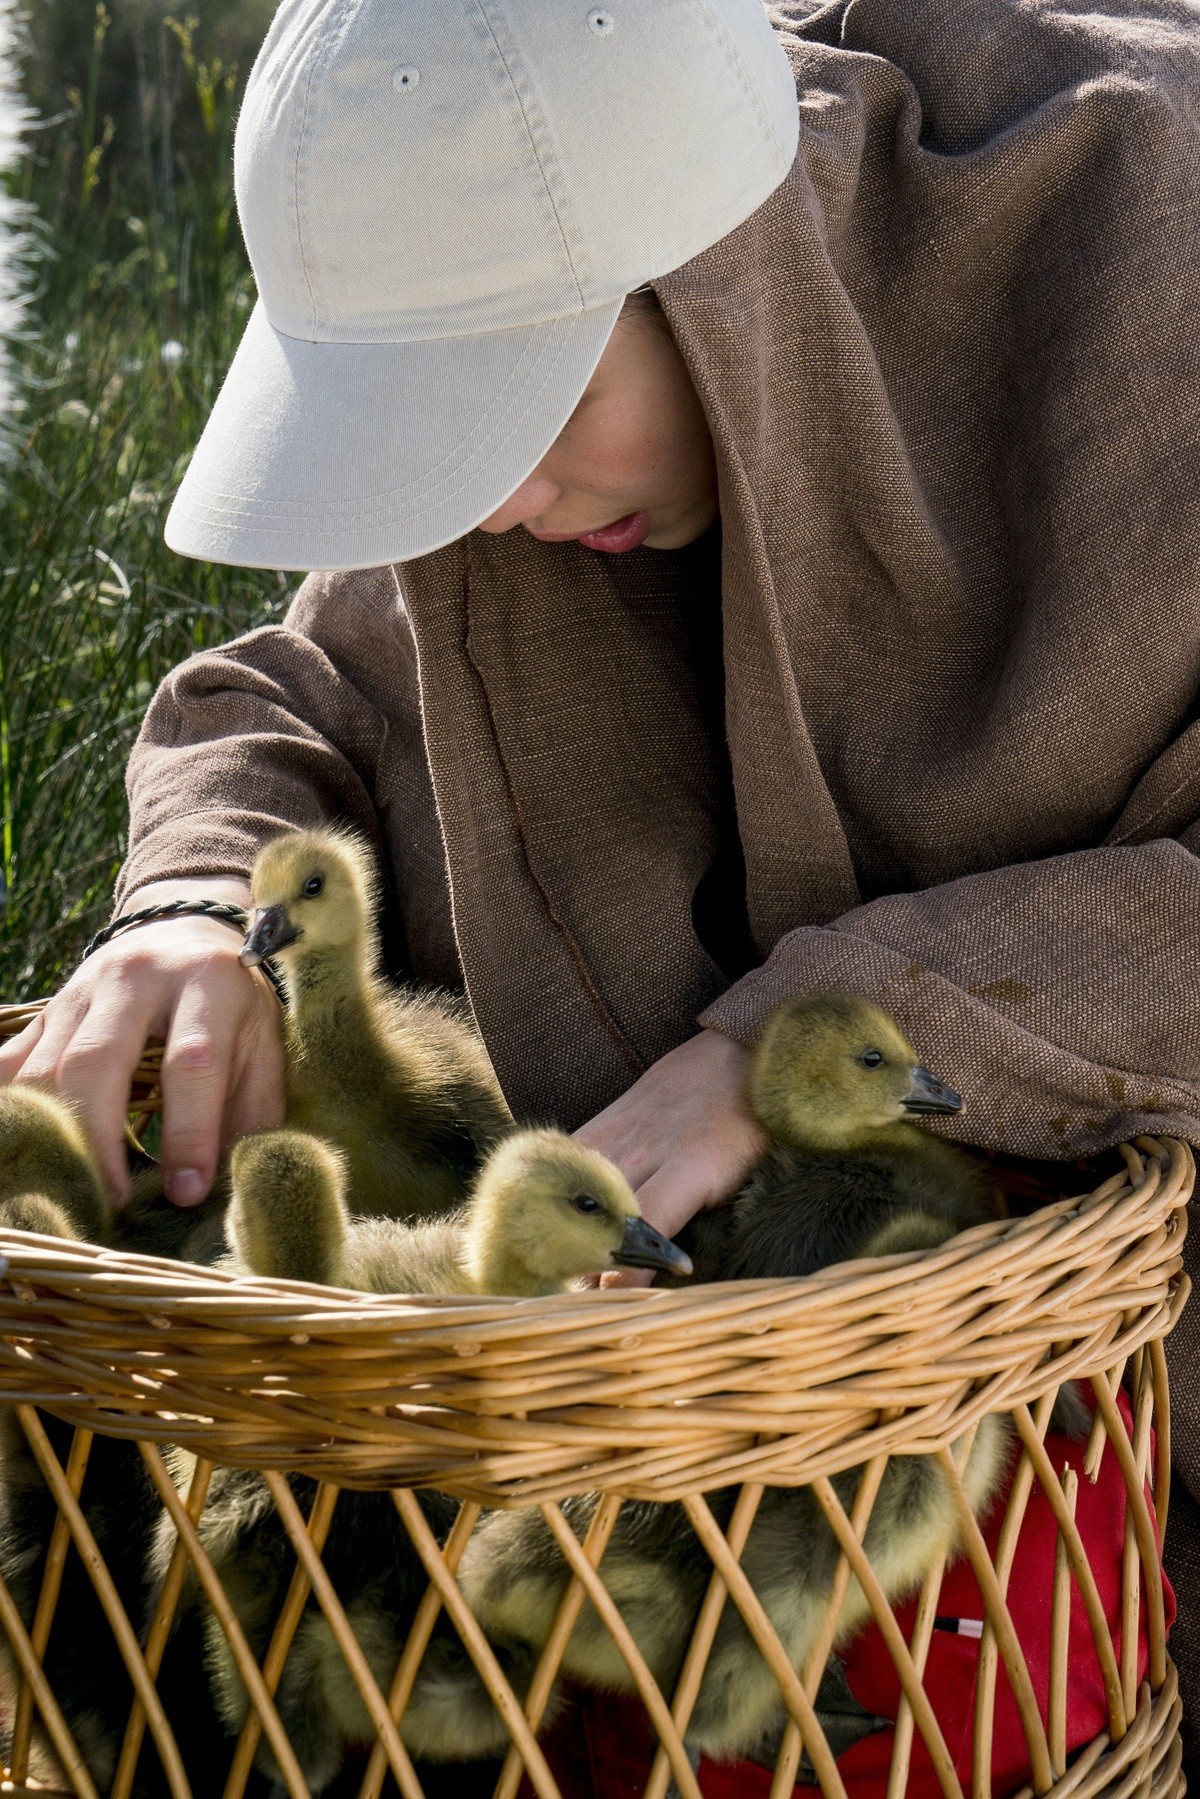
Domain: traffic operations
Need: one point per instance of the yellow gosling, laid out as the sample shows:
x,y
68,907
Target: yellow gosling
x,y
847,1174
43,1151
544,1211
400,1084
838,1090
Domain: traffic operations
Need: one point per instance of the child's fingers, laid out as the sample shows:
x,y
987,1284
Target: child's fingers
x,y
88,1054
627,1277
196,1067
677,1191
15,1050
256,1097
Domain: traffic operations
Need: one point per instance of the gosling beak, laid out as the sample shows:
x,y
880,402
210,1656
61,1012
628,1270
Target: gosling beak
x,y
928,1094
644,1247
270,929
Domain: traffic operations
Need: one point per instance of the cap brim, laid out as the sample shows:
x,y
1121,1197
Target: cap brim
x,y
340,456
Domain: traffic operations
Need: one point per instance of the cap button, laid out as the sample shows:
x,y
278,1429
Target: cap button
x,y
600,22
405,78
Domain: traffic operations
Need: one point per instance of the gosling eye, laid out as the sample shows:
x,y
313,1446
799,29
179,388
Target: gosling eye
x,y
584,1202
315,884
871,1058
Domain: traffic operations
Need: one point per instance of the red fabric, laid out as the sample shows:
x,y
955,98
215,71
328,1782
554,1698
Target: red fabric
x,y
602,1746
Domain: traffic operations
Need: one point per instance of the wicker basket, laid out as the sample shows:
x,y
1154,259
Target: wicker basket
x,y
633,1394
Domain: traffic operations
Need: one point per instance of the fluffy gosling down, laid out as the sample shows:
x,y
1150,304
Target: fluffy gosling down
x,y
401,1085
50,1182
119,1500
49,1179
847,1174
544,1211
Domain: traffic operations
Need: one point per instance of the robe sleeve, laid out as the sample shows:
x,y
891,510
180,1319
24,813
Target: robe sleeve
x,y
1017,984
269,731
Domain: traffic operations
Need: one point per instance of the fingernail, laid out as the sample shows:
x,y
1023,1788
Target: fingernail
x,y
186,1187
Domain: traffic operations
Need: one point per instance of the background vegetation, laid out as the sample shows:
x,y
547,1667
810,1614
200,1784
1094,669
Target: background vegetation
x,y
140,291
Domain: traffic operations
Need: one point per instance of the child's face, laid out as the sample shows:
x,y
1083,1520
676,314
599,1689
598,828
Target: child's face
x,y
634,462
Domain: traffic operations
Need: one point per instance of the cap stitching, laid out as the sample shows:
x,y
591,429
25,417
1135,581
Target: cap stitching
x,y
318,65
261,512
729,48
427,479
300,210
278,515
531,116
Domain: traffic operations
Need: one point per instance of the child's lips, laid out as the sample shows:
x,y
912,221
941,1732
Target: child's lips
x,y
623,534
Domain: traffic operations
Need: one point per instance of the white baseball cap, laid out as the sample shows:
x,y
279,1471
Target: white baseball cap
x,y
445,204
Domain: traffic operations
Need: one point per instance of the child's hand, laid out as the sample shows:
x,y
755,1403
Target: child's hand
x,y
682,1135
179,981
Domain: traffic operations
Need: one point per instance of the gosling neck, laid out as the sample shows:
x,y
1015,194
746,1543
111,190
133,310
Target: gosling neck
x,y
848,1139
330,990
509,1274
495,1264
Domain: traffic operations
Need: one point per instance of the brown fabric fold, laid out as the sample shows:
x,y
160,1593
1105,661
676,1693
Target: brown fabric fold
x,y
953,379
952,371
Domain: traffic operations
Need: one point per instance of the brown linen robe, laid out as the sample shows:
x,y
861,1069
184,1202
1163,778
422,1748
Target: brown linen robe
x,y
952,371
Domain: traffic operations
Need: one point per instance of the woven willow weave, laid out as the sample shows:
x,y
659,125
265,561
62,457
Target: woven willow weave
x,y
633,1394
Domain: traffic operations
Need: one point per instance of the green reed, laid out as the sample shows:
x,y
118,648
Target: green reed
x,y
141,292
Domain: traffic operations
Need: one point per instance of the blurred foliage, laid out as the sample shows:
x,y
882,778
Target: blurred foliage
x,y
148,86
141,290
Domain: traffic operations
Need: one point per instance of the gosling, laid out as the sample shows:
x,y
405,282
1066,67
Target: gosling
x,y
847,1173
657,1572
49,1178
50,1182
400,1084
544,1210
82,1662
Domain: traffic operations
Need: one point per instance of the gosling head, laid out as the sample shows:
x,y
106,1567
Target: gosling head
x,y
312,894
547,1210
831,1071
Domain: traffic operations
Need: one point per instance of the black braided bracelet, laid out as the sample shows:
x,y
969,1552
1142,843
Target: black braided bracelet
x,y
201,908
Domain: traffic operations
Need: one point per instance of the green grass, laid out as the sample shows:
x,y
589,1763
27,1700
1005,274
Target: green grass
x,y
137,250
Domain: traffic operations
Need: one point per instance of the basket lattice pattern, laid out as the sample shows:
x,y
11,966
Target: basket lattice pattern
x,y
665,1396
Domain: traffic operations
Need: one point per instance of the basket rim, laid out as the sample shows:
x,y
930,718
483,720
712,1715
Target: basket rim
x,y
275,1304
643,1392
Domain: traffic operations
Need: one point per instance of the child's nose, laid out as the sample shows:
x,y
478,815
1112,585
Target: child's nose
x,y
535,496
